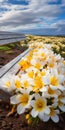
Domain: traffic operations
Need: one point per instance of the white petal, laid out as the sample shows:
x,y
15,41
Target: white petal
x,y
61,78
34,113
47,110
46,95
46,80
57,111
54,71
32,103
37,96
55,104
53,87
14,99
62,100
41,115
62,88
55,118
45,117
44,89
20,109
62,108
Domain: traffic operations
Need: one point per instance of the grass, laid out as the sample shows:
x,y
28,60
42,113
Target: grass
x,y
9,52
5,48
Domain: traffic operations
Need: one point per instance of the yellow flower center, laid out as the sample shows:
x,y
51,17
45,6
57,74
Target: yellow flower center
x,y
64,62
31,53
24,64
54,81
40,105
35,50
31,74
8,84
51,92
26,84
43,56
51,65
24,99
43,73
61,96
60,103
37,65
18,84
38,84
52,112
29,57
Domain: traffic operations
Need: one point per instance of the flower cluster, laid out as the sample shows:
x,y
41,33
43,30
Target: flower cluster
x,y
39,85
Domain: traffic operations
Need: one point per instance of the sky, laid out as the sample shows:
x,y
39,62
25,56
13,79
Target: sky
x,y
40,17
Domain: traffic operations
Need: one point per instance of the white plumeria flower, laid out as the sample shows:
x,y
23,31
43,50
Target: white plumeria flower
x,y
56,82
48,46
46,79
38,84
36,63
60,101
48,93
58,57
61,67
23,100
39,106
60,76
61,106
27,82
17,83
39,58
39,44
51,65
7,83
53,115
43,56
32,68
32,72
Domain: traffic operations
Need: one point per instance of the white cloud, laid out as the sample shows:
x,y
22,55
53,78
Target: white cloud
x,y
63,1
1,0
37,14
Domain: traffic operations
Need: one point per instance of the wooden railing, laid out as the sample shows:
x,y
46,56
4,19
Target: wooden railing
x,y
7,38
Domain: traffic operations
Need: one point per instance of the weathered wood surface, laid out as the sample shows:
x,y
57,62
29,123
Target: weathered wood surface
x,y
7,41
7,37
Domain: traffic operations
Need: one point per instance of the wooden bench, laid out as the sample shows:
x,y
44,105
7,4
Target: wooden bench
x,y
7,38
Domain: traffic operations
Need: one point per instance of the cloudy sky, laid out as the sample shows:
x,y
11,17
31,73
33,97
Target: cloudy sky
x,y
44,17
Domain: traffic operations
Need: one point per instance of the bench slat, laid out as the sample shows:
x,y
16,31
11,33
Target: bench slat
x,y
6,32
7,41
6,68
6,36
10,37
